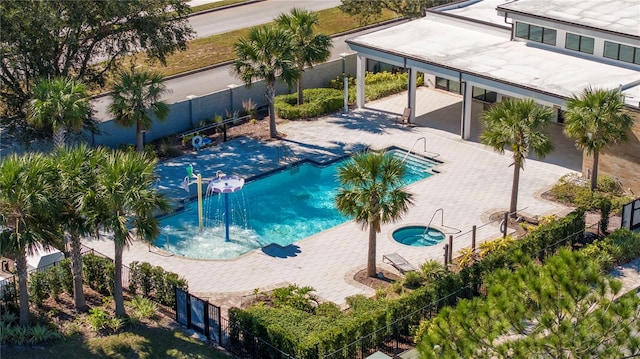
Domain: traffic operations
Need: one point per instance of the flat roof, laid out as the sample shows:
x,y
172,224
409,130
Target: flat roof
x,y
622,16
476,10
461,46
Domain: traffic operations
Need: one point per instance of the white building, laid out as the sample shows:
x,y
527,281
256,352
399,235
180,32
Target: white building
x,y
547,50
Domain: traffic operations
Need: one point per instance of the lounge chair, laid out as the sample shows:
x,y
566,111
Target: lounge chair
x,y
396,260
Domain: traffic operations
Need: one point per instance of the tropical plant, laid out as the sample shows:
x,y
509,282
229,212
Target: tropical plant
x,y
28,210
136,96
59,105
127,199
84,40
517,125
265,54
76,191
307,46
371,192
596,120
433,270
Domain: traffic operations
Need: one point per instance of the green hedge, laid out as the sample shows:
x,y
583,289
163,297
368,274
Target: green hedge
x,y
308,335
98,273
317,102
155,282
377,85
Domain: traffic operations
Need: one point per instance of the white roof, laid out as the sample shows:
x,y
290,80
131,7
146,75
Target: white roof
x,y
490,54
622,16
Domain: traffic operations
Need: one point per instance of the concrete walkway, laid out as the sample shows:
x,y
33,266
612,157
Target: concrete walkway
x,y
473,183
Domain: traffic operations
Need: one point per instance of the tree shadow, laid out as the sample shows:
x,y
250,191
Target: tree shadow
x,y
278,251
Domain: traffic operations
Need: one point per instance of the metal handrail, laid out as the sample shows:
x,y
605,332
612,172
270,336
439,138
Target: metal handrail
x,y
414,145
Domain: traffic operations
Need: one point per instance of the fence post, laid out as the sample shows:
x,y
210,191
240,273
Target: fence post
x,y
473,237
188,300
446,255
206,319
450,248
506,224
219,319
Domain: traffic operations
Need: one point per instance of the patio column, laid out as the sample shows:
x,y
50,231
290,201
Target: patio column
x,y
361,67
412,94
465,122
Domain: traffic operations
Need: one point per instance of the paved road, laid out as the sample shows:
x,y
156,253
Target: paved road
x,y
219,22
216,79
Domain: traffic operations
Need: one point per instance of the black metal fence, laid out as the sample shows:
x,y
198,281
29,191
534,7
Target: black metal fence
x,y
631,215
205,318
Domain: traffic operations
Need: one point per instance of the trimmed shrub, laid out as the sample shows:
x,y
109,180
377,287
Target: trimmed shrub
x,y
317,102
98,273
154,282
377,85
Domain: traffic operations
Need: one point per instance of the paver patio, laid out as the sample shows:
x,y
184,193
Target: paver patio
x,y
473,182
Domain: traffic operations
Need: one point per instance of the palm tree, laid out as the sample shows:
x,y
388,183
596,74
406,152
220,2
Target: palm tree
x,y
126,200
136,96
518,125
308,47
59,104
371,192
266,54
76,191
597,120
27,214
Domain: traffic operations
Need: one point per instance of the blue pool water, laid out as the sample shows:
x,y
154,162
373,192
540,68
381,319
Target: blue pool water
x,y
280,208
418,236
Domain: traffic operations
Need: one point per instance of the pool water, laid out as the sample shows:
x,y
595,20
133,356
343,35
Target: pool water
x,y
418,236
280,208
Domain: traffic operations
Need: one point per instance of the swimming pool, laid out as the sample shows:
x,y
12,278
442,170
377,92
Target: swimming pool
x,y
282,208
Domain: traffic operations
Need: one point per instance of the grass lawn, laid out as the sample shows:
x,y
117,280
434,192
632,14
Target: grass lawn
x,y
139,342
213,5
219,48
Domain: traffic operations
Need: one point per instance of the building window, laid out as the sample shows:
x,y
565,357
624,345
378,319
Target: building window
x,y
448,85
579,43
484,95
536,33
621,52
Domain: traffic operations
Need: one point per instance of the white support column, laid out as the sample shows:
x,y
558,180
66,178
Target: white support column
x,y
361,64
465,123
412,94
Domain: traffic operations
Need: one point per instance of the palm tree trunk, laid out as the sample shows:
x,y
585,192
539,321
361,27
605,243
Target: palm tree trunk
x,y
59,137
271,95
118,296
21,269
594,171
139,144
299,86
76,269
371,256
514,191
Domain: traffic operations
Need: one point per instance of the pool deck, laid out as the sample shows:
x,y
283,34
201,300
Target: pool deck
x,y
474,182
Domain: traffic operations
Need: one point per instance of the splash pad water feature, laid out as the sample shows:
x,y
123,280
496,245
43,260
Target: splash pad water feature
x,y
221,184
280,207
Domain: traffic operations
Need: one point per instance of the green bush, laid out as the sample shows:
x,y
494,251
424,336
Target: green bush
x,y
377,85
571,191
38,288
154,282
97,319
312,334
143,308
317,102
625,245
98,273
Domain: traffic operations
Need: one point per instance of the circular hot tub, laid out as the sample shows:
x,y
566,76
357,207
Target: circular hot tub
x,y
418,236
